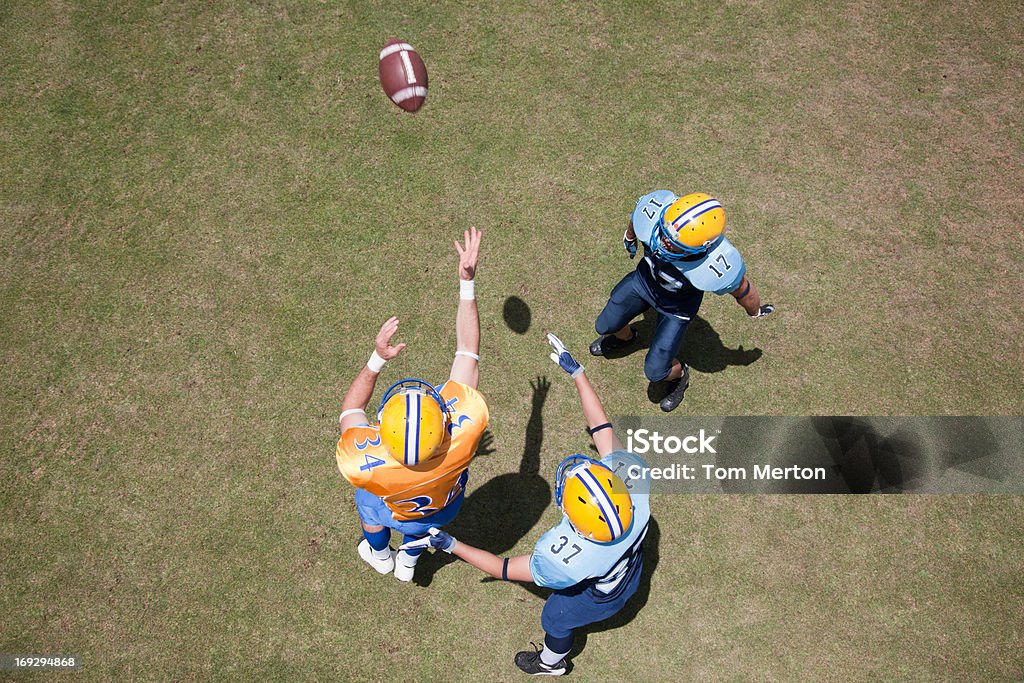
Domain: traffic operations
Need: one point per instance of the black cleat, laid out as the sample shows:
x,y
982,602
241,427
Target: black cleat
x,y
529,662
609,342
675,397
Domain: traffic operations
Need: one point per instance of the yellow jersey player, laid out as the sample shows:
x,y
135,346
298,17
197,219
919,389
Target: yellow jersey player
x,y
410,470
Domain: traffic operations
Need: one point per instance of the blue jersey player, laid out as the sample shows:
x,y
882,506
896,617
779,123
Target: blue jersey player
x,y
685,255
594,557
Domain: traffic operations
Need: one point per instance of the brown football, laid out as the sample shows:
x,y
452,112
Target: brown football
x,y
403,75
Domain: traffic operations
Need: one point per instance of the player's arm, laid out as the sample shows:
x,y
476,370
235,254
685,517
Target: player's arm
x,y
749,298
593,412
505,568
598,426
353,406
466,367
516,569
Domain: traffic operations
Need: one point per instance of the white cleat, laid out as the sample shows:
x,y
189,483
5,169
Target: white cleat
x,y
381,566
405,565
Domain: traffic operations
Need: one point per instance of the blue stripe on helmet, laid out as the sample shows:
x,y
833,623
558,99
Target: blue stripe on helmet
x,y
412,417
604,502
429,389
419,419
689,215
408,409
714,204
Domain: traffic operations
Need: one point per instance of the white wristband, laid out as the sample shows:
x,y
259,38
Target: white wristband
x,y
376,362
353,411
466,290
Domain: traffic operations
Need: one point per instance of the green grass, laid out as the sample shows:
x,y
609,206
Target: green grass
x,y
207,210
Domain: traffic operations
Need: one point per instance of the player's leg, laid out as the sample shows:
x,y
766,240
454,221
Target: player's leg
x,y
405,560
549,661
661,364
561,615
625,303
374,548
556,649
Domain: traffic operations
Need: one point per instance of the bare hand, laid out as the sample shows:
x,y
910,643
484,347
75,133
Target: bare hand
x,y
387,331
468,254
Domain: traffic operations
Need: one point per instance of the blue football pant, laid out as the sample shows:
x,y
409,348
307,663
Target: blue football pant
x,y
628,300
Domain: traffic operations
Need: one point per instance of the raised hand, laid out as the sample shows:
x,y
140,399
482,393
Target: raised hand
x,y
387,331
469,253
564,359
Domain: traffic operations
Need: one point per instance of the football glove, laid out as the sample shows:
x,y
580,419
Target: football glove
x,y
438,540
765,310
630,244
564,359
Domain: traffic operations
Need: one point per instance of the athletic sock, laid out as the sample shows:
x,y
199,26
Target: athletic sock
x,y
549,657
406,559
555,648
378,541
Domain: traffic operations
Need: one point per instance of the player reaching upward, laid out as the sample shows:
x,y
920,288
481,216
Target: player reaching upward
x,y
594,557
410,470
685,255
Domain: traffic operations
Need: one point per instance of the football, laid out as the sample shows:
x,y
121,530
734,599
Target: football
x,y
403,75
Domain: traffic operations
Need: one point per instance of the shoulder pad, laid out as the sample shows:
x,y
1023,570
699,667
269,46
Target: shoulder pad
x,y
355,446
462,399
720,271
629,467
545,568
647,213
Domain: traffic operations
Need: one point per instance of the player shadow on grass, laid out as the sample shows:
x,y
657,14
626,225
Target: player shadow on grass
x,y
702,347
502,511
702,350
635,603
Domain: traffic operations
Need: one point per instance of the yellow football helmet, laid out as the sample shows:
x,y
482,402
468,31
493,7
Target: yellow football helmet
x,y
689,226
412,420
594,499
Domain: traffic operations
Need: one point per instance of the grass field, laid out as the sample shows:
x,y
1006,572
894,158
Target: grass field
x,y
207,210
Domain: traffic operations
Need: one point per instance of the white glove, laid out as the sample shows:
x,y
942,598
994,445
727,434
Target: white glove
x,y
564,359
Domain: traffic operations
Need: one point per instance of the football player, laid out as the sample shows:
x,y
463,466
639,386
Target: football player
x,y
593,558
685,255
410,470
